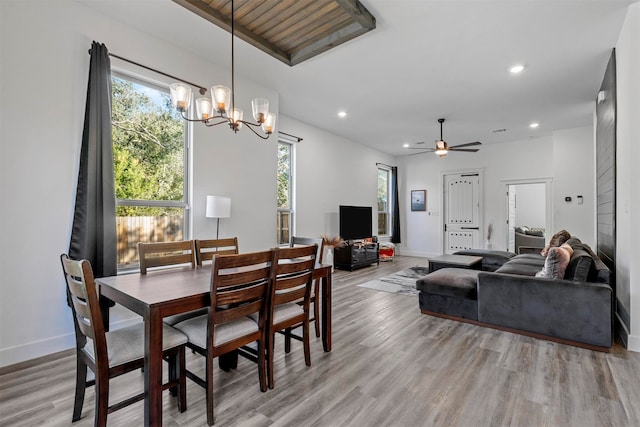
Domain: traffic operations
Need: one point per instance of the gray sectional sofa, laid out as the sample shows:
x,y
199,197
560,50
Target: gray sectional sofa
x,y
577,309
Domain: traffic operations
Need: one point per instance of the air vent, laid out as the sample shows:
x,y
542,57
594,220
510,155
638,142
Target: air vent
x,y
499,130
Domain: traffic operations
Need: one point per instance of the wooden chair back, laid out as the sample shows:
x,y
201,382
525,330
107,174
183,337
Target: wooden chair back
x,y
206,249
240,286
82,292
162,254
306,241
292,274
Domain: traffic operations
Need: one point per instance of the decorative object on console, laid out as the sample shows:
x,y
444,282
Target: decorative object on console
x,y
222,103
329,244
489,234
218,207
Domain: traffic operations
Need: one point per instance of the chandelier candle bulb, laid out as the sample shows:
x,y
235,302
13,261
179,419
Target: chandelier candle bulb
x,y
236,118
221,97
260,108
180,96
203,108
269,123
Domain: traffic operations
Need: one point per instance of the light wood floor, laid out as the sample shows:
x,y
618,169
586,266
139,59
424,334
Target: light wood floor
x,y
390,366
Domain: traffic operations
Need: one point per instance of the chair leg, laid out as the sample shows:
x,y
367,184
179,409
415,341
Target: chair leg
x,y
305,341
102,400
287,340
182,388
261,365
81,386
316,308
209,379
270,350
173,374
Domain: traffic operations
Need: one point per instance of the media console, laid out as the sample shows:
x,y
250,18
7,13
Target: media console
x,y
356,255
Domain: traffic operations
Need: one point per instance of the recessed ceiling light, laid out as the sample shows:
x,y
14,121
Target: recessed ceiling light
x,y
534,125
405,145
515,69
342,114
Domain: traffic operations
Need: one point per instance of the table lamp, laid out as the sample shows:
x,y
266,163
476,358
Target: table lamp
x,y
218,207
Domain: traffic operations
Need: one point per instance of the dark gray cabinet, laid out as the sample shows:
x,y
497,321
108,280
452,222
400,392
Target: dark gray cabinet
x,y
350,257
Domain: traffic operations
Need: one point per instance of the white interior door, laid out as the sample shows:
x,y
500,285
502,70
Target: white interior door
x,y
461,212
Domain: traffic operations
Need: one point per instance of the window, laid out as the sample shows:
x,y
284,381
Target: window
x,y
284,178
150,167
384,206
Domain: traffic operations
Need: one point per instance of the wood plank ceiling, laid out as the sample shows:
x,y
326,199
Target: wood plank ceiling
x,y
289,30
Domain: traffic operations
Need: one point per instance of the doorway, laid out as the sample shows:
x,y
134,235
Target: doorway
x,y
528,205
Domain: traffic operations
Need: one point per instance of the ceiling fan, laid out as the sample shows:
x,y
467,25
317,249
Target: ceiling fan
x,y
442,148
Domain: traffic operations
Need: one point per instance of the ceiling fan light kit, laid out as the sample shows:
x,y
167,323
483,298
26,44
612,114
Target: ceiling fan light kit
x,y
442,148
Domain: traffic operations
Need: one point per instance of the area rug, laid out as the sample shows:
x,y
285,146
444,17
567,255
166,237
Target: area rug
x,y
403,282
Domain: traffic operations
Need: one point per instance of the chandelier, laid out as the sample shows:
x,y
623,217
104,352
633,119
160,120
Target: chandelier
x,y
221,107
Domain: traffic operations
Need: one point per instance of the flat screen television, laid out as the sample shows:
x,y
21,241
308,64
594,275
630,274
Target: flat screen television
x,y
355,222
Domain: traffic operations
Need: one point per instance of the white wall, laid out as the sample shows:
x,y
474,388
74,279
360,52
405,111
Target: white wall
x,y
521,160
331,171
567,158
627,170
530,205
574,174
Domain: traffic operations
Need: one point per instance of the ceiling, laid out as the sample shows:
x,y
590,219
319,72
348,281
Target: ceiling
x,y
424,60
290,31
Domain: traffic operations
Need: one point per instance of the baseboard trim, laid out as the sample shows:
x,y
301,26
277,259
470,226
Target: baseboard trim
x,y
633,343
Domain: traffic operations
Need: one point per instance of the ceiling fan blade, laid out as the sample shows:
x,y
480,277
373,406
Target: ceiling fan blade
x,y
468,150
468,144
422,152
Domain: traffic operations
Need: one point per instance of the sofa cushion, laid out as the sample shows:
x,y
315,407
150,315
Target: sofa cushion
x,y
579,266
556,262
491,259
455,282
537,233
518,268
528,259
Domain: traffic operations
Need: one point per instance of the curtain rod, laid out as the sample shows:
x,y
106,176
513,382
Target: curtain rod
x,y
291,136
203,90
384,164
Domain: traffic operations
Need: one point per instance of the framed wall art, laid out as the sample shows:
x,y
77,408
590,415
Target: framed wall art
x,y
418,200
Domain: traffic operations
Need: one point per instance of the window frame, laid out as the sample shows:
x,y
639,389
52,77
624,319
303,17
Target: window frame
x,y
292,192
186,202
389,210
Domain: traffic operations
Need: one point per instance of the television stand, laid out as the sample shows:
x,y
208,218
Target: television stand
x,y
356,255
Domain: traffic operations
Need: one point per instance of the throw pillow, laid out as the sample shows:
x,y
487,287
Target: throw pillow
x,y
536,233
556,262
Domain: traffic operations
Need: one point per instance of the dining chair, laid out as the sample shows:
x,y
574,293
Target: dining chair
x,y
240,286
315,297
206,249
158,256
113,353
162,254
291,283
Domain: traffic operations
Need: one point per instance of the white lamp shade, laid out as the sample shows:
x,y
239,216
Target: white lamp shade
x,y
218,207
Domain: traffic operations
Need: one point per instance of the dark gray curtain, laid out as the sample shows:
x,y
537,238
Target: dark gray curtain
x,y
93,235
395,226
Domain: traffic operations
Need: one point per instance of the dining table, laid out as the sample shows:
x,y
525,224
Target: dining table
x,y
172,291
